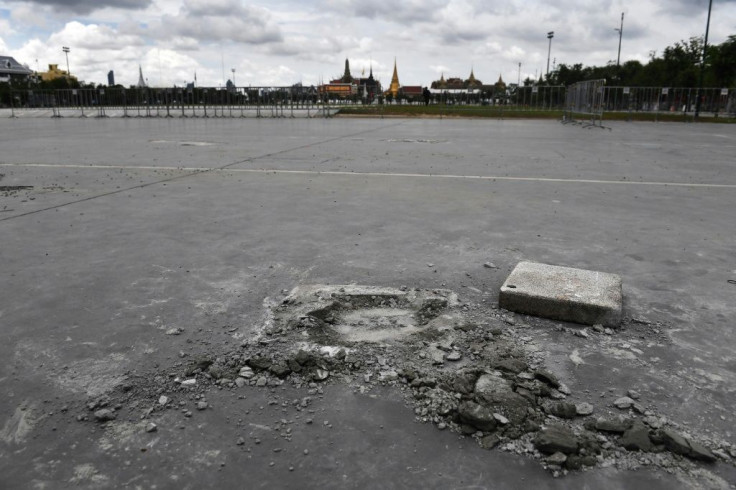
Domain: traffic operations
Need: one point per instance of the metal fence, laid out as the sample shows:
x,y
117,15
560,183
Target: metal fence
x,y
528,98
585,99
682,100
173,102
257,101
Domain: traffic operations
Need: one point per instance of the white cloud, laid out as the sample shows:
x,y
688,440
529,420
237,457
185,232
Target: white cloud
x,y
27,15
221,21
93,37
87,6
6,28
284,41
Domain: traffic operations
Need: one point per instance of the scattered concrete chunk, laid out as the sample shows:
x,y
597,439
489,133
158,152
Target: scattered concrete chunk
x,y
556,438
564,410
636,438
104,415
679,444
584,409
563,293
700,452
675,442
496,393
512,365
557,458
615,425
490,441
477,416
547,377
623,403
454,356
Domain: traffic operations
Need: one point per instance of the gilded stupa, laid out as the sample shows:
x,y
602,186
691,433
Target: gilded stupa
x,y
394,88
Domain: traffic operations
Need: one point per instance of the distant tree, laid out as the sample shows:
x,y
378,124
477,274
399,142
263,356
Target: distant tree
x,y
567,75
721,62
678,66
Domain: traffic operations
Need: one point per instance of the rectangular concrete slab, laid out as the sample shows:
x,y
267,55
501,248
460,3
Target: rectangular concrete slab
x,y
563,293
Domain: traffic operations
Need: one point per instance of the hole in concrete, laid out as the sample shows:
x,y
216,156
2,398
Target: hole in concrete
x,y
363,313
511,286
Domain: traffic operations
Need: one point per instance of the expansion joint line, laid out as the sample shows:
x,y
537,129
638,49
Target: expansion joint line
x,y
198,172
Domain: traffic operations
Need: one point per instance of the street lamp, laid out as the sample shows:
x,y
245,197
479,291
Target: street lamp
x,y
233,70
702,63
550,35
66,52
620,35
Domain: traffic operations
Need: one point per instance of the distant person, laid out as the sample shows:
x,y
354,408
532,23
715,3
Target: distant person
x,y
427,95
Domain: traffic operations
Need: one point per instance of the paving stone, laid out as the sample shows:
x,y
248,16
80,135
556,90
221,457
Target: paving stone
x,y
563,293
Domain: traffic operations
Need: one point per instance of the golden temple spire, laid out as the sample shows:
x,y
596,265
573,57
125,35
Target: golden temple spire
x,y
394,88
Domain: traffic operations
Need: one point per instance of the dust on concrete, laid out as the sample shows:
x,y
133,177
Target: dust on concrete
x,y
468,368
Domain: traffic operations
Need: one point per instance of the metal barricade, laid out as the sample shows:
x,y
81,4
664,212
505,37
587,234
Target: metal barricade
x,y
585,99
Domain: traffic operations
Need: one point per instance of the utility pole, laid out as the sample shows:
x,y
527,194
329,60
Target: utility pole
x,y
702,62
550,35
620,35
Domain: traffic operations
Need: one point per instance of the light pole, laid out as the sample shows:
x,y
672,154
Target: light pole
x,y
66,52
518,81
620,35
702,62
550,35
233,70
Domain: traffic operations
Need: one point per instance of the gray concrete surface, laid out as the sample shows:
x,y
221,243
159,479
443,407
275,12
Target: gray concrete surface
x,y
134,227
563,293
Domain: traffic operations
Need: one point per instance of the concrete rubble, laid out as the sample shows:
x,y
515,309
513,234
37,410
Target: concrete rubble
x,y
499,392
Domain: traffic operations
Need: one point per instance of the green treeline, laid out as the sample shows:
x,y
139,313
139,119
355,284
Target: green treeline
x,y
678,66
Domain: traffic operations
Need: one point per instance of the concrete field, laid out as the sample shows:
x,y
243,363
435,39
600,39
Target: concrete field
x,y
130,247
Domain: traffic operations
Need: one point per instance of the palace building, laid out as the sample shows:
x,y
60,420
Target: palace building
x,y
348,86
471,83
369,88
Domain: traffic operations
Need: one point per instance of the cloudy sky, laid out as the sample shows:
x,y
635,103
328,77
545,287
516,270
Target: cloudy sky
x,y
281,42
